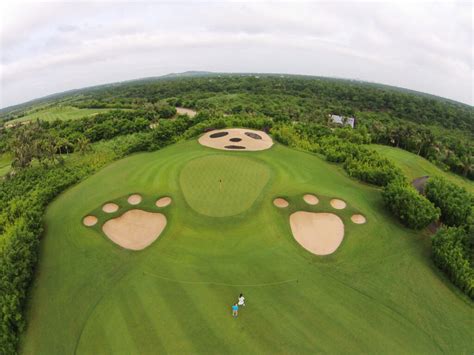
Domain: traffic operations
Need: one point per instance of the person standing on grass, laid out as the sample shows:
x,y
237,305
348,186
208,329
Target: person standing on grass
x,y
235,310
241,300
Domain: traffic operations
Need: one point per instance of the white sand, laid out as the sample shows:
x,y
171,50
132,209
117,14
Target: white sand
x,y
338,204
186,111
280,202
110,207
135,229
163,202
319,233
310,199
90,221
358,219
249,144
134,199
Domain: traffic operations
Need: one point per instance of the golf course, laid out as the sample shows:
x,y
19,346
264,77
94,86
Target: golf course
x,y
216,232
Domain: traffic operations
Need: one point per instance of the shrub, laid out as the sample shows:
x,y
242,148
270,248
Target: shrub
x,y
411,208
455,203
372,168
452,253
336,150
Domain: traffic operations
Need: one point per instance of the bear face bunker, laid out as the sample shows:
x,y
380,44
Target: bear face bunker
x,y
248,140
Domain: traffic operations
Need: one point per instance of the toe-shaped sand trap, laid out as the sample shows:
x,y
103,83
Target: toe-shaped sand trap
x,y
110,207
248,139
358,219
280,202
135,229
90,221
319,233
163,202
134,199
310,199
338,204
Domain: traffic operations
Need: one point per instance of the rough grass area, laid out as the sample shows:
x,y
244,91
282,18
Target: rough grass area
x,y
378,293
415,166
58,113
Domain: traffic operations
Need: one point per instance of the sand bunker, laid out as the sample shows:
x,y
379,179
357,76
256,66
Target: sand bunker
x,y
185,111
134,199
338,204
90,221
110,208
310,199
249,140
163,202
281,203
358,219
319,233
135,229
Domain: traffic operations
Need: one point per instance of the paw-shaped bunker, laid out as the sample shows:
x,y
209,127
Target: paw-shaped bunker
x,y
132,228
320,233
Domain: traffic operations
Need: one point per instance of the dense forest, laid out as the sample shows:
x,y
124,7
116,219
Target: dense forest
x,y
48,157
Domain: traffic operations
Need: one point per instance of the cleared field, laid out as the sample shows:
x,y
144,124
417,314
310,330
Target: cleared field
x,y
415,166
58,113
378,293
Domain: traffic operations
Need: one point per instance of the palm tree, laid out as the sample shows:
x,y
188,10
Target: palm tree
x,y
83,145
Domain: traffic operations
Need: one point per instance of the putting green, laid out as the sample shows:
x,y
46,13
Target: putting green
x,y
223,185
377,293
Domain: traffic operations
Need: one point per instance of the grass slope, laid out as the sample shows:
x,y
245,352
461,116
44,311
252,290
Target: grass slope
x,y
58,113
415,166
379,293
5,163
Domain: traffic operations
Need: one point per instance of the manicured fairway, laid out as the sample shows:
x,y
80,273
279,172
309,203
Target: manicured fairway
x,y
414,166
378,293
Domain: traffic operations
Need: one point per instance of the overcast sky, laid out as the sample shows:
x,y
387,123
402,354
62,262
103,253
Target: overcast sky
x,y
55,46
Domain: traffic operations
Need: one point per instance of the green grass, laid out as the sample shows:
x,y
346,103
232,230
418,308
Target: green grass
x,y
415,166
378,293
58,113
5,163
220,186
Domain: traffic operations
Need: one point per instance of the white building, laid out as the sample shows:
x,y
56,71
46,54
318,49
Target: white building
x,y
350,121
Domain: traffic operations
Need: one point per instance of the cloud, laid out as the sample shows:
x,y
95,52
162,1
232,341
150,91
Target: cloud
x,y
51,47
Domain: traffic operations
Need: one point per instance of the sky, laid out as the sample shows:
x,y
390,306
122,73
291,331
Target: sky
x,y
50,47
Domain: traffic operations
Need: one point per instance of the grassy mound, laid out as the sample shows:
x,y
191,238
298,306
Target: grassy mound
x,y
378,293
